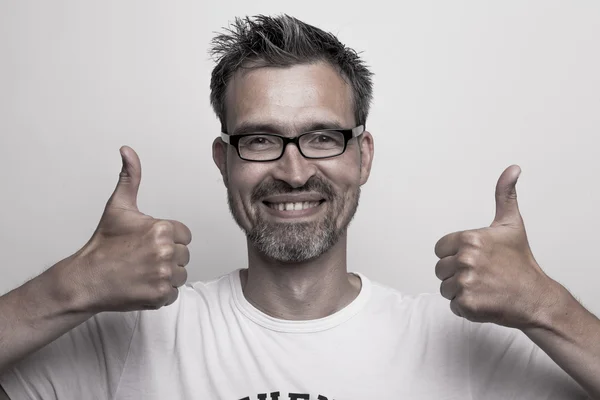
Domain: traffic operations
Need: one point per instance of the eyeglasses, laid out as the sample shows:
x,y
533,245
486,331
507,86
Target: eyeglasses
x,y
323,143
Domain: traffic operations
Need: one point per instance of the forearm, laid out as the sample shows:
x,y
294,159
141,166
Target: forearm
x,y
570,335
38,312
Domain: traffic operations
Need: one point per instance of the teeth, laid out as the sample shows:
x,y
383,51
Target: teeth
x,y
294,206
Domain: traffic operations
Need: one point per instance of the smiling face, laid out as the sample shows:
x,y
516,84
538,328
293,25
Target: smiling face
x,y
293,209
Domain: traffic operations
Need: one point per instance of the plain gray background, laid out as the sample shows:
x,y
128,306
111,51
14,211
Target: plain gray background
x,y
463,89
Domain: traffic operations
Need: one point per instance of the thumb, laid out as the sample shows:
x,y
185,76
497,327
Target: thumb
x,y
125,194
507,208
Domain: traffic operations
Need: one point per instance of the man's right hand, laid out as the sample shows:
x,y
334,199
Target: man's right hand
x,y
133,261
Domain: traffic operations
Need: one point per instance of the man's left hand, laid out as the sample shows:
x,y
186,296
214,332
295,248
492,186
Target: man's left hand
x,y
490,274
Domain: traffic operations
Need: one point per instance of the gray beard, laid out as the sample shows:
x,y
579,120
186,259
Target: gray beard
x,y
301,241
294,242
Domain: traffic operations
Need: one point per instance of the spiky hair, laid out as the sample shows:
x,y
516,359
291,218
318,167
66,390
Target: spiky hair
x,y
283,41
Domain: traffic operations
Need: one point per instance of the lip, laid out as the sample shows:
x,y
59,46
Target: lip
x,y
308,212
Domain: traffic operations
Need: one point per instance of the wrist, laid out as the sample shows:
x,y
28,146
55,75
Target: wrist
x,y
556,308
63,288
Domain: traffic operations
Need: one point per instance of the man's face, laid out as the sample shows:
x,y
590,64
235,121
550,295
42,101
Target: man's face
x,y
325,192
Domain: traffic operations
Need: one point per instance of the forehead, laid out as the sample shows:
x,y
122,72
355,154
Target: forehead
x,y
290,98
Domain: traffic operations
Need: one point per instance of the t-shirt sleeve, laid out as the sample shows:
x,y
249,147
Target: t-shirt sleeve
x,y
84,363
506,364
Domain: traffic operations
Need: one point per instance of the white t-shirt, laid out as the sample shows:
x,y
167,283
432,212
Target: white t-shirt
x,y
213,344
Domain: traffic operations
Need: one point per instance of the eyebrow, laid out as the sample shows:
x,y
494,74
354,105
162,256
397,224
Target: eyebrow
x,y
249,127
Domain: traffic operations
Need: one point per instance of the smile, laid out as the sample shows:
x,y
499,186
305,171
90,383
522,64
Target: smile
x,y
301,205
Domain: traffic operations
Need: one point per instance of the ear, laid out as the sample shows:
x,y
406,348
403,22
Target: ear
x,y
367,151
219,152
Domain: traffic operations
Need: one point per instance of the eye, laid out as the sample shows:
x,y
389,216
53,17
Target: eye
x,y
324,139
258,141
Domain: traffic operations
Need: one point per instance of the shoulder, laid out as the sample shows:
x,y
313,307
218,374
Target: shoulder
x,y
215,285
209,293
423,303
423,311
195,298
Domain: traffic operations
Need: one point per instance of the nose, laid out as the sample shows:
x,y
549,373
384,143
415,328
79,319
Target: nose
x,y
293,168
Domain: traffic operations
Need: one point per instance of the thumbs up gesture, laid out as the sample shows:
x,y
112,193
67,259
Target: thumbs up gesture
x,y
132,261
490,274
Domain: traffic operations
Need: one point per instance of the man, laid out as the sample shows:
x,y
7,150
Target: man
x,y
293,103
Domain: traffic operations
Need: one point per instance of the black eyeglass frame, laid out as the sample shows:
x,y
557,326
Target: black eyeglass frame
x,y
349,134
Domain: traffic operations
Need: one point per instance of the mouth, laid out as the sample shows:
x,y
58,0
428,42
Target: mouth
x,y
293,206
294,209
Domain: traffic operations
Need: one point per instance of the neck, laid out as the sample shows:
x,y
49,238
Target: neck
x,y
300,291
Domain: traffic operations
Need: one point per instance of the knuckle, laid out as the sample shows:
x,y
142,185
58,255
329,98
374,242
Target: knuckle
x,y
472,239
165,252
165,273
466,281
465,259
163,228
469,304
162,291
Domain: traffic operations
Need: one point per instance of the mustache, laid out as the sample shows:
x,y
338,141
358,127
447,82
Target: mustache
x,y
313,184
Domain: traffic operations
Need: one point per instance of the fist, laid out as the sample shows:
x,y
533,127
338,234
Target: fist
x,y
490,274
132,261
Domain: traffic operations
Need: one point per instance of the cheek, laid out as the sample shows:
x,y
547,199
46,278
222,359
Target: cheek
x,y
243,178
345,178
344,175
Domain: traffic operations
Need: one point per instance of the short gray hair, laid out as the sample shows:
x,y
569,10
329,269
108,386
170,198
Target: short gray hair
x,y
284,41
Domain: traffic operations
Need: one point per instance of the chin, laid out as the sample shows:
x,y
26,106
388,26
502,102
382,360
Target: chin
x,y
293,243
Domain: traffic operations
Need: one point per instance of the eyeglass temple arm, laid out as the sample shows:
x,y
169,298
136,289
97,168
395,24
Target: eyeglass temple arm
x,y
358,130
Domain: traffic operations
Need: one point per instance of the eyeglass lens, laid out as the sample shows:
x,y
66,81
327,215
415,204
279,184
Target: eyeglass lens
x,y
262,147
